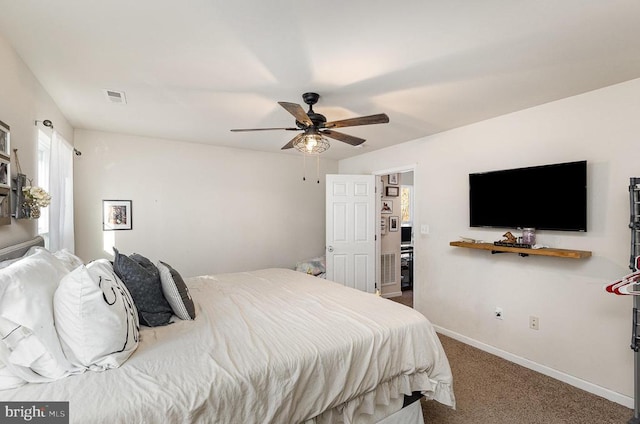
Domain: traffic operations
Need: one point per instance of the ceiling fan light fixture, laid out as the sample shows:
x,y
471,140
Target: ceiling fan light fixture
x,y
311,144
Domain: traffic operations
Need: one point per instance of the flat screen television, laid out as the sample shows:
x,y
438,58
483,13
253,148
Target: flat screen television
x,y
405,238
548,197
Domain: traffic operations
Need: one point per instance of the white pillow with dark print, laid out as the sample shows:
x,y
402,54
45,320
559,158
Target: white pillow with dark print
x,y
96,318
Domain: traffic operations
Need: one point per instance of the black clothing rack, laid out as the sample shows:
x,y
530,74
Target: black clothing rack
x,y
634,225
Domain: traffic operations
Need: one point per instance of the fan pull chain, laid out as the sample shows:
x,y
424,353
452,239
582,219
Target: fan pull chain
x,y
304,163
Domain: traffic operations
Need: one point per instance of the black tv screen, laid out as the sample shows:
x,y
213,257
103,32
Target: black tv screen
x,y
549,197
405,238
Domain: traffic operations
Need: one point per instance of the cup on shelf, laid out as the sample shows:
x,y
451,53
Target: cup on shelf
x,y
529,236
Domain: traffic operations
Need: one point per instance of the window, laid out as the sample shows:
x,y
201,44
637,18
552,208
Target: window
x,y
406,204
44,156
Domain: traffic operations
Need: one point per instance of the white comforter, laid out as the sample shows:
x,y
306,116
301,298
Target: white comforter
x,y
269,346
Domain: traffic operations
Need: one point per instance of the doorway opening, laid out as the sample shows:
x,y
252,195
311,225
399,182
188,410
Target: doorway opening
x,y
396,249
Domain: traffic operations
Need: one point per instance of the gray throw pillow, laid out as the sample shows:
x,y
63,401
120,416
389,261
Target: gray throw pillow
x,y
143,282
176,292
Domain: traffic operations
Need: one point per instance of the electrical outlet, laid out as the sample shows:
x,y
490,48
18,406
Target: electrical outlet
x,y
534,323
498,313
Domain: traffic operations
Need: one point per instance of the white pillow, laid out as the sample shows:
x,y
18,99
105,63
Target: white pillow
x,y
8,262
29,252
70,260
9,379
31,347
96,318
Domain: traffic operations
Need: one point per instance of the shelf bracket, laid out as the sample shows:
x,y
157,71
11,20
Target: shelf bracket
x,y
495,252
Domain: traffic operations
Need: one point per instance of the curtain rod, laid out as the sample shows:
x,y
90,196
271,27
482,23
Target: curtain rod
x,y
47,123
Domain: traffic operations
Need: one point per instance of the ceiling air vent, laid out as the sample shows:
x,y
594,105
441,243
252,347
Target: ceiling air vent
x,y
114,96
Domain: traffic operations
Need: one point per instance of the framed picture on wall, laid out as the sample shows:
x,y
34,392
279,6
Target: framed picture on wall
x,y
387,206
394,223
116,215
392,191
5,174
393,179
4,141
5,206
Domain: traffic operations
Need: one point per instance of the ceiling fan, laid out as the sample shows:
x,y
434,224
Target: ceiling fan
x,y
314,126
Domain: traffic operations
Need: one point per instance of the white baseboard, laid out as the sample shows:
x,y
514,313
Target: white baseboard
x,y
392,294
542,369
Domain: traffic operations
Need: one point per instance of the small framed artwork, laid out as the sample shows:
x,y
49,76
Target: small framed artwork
x,y
5,174
393,223
4,141
116,215
387,206
392,191
5,206
393,179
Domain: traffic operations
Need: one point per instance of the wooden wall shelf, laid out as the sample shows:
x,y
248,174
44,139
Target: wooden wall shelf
x,y
559,253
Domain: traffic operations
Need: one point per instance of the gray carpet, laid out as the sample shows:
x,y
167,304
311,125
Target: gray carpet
x,y
491,390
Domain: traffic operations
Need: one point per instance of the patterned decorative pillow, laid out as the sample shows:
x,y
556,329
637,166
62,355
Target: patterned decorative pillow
x,y
95,317
176,292
142,279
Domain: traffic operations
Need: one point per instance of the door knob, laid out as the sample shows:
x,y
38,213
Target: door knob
x,y
330,249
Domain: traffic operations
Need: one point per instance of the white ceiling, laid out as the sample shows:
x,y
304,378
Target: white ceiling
x,y
194,69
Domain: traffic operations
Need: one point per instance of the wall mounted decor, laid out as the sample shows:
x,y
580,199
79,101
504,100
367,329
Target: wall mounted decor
x,y
19,181
387,206
5,206
4,141
35,198
394,223
116,215
393,179
5,174
392,191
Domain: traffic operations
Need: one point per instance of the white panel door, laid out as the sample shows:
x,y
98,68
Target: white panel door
x,y
351,231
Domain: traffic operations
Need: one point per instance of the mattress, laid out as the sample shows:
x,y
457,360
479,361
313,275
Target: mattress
x,y
268,346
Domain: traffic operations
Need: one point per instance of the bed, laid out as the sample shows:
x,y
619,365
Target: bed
x,y
266,346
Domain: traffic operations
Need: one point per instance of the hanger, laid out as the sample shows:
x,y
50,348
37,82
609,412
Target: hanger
x,y
625,285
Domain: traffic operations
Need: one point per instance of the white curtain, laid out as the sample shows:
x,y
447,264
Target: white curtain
x,y
61,235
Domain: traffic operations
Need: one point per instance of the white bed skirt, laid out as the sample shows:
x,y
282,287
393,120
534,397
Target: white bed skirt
x,y
412,414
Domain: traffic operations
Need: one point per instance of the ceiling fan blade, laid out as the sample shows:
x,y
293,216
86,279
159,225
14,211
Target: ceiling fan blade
x,y
263,129
290,144
349,139
380,118
297,111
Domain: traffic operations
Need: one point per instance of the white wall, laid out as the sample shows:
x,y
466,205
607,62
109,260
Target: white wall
x,y
22,102
202,209
584,332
